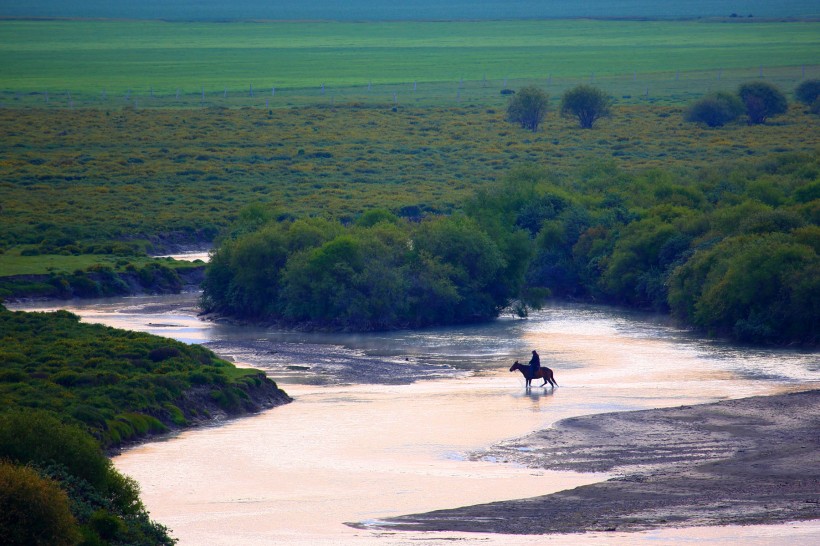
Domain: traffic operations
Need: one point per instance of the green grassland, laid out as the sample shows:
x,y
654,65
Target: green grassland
x,y
74,176
78,167
83,58
15,263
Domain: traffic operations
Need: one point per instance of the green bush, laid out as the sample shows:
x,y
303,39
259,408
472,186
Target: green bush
x,y
715,110
34,510
380,273
38,437
586,103
762,101
528,107
807,92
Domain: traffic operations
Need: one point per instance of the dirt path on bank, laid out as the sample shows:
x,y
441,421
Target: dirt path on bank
x,y
746,461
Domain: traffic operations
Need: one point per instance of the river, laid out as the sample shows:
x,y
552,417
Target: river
x,y
382,423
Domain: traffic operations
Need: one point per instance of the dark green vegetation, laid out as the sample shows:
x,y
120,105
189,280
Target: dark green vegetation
x,y
715,110
808,92
586,103
528,108
732,250
378,274
57,487
120,385
762,101
101,278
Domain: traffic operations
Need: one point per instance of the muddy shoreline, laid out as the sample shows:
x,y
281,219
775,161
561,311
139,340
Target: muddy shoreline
x,y
747,461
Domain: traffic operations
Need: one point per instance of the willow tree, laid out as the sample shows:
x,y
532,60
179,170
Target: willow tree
x,y
586,103
528,107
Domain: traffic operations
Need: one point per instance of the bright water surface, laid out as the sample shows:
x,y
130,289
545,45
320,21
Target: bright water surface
x,y
382,423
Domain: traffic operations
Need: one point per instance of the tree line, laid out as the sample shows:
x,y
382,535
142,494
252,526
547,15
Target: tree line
x,y
760,101
381,272
732,250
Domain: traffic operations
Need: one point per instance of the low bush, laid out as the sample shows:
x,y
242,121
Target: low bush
x,y
715,110
807,92
34,511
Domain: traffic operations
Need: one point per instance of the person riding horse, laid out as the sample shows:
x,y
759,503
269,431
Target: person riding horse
x,y
535,364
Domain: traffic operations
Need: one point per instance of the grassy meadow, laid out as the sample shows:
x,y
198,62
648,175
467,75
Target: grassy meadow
x,y
91,174
152,63
123,130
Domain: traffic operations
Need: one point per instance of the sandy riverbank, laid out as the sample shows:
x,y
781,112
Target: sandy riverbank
x,y
746,461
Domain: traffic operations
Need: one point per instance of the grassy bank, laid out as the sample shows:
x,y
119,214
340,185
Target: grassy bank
x,y
119,385
70,390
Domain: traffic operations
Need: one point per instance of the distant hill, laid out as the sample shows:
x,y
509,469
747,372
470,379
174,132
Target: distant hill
x,y
371,10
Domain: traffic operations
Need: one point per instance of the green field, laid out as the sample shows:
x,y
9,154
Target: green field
x,y
93,62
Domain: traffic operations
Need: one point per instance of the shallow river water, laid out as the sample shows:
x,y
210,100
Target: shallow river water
x,y
382,424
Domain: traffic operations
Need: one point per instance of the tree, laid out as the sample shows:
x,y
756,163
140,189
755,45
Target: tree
x,y
528,107
34,510
762,100
587,103
808,93
715,110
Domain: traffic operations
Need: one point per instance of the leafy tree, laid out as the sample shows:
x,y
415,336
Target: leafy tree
x,y
375,216
715,110
587,103
473,262
762,100
633,273
807,92
528,107
33,510
65,460
38,437
756,288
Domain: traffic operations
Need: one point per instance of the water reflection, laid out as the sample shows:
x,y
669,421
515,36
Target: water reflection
x,y
381,422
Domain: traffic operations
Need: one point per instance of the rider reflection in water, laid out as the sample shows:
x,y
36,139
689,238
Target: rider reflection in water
x,y
535,364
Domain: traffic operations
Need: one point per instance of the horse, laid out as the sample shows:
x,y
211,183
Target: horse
x,y
542,373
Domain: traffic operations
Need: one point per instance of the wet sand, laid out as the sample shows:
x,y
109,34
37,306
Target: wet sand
x,y
745,461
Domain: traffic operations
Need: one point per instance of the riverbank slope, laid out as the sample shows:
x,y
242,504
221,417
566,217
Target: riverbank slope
x,y
120,385
746,461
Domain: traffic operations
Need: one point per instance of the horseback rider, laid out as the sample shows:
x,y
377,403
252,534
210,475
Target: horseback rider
x,y
535,364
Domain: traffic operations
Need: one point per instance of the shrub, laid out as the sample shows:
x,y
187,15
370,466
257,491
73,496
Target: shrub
x,y
163,353
586,103
715,110
762,100
38,437
807,92
34,510
528,108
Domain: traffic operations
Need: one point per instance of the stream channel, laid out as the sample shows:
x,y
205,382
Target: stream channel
x,y
382,424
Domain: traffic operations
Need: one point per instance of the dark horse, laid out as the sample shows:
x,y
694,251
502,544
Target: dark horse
x,y
542,373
